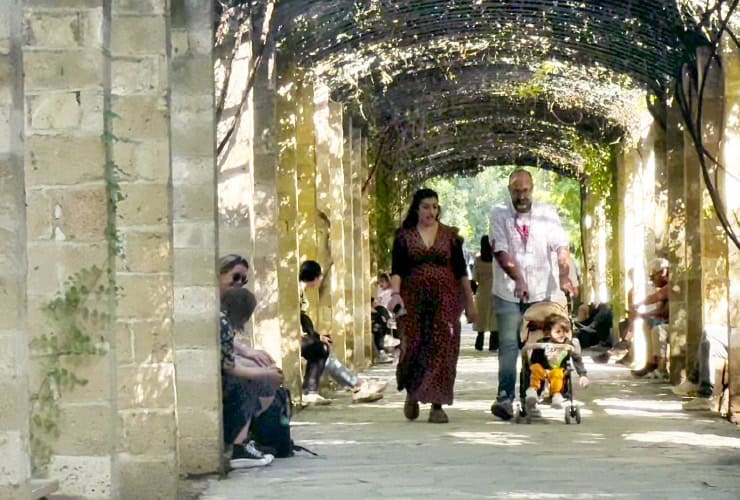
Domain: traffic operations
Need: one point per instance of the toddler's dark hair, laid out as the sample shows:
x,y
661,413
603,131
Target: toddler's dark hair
x,y
555,319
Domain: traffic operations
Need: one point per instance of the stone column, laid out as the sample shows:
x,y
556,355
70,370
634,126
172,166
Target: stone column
x,y
236,159
349,247
358,292
67,85
277,324
694,188
675,247
336,209
305,154
194,220
366,279
15,470
713,237
146,461
729,154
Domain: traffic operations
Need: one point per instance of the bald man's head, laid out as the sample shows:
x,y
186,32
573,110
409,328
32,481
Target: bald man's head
x,y
520,189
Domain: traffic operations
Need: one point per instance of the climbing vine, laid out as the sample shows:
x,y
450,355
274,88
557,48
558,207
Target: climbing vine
x,y
79,316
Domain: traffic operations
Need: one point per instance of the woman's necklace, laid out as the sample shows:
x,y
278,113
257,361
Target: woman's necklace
x,y
428,234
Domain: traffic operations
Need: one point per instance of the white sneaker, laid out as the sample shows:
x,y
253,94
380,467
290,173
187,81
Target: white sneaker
x,y
377,385
657,375
685,388
384,358
314,398
557,400
530,398
367,393
700,404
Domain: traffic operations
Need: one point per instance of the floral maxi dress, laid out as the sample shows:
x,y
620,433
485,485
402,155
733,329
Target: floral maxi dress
x,y
430,331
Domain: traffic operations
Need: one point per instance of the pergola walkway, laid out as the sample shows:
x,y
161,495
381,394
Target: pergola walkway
x,y
634,441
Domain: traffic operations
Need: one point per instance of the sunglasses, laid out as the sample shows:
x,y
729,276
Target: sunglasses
x,y
239,278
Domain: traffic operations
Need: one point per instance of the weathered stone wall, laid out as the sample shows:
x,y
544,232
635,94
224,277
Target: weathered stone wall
x,y
15,463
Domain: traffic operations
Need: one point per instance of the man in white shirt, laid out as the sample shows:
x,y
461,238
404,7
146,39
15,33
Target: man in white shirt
x,y
525,237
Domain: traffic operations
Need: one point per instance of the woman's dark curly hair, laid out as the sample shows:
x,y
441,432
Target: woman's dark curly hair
x,y
412,217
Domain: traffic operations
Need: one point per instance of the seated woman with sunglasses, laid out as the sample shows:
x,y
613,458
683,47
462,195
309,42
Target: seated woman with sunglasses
x,y
233,271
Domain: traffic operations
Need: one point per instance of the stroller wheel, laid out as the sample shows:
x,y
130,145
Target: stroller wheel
x,y
578,415
567,416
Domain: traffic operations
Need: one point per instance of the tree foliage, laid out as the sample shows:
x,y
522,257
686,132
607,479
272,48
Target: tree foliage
x,y
467,201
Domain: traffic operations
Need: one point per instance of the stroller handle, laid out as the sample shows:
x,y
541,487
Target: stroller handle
x,y
550,345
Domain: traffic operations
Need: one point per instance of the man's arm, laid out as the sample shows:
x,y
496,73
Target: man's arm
x,y
564,268
510,267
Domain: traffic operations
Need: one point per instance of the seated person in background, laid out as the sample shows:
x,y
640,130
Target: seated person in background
x,y
316,349
712,354
596,330
549,363
383,322
657,320
248,389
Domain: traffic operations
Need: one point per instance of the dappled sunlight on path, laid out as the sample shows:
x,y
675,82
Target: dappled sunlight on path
x,y
634,441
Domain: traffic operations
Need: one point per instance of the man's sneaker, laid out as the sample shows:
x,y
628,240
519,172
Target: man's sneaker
x,y
700,404
315,399
247,456
530,400
657,374
503,409
367,393
377,385
648,368
685,388
384,358
557,401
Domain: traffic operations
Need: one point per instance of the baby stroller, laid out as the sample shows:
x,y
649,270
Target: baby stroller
x,y
530,333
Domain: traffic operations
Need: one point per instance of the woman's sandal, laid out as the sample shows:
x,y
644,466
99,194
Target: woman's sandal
x,y
411,410
438,416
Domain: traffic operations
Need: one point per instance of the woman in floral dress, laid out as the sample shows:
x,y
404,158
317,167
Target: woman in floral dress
x,y
430,278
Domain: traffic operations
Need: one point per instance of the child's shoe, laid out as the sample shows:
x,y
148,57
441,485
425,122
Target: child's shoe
x,y
530,400
557,401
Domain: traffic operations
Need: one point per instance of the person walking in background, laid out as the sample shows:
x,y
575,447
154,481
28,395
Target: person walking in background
x,y
483,274
430,278
525,235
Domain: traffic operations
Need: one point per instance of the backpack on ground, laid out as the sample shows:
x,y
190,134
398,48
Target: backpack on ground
x,y
272,428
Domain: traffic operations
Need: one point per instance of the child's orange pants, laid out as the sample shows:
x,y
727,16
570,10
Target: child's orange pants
x,y
555,376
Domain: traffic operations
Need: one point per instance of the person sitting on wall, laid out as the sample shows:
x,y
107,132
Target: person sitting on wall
x,y
711,355
657,319
316,350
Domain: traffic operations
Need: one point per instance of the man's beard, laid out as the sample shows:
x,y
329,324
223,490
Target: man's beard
x,y
523,205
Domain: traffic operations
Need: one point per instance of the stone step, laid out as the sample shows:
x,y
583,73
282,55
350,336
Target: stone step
x,y
41,488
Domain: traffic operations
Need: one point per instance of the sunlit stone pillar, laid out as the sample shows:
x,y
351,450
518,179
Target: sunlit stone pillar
x,y
676,236
359,260
195,244
729,155
15,460
693,195
632,199
349,245
330,206
336,208
713,238
233,69
275,260
366,281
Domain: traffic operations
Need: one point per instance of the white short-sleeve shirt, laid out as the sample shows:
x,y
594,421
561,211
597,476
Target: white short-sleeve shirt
x,y
535,257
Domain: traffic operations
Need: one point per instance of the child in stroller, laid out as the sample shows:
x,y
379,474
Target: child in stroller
x,y
549,351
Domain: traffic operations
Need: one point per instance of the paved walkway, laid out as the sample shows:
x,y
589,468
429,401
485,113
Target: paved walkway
x,y
634,442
